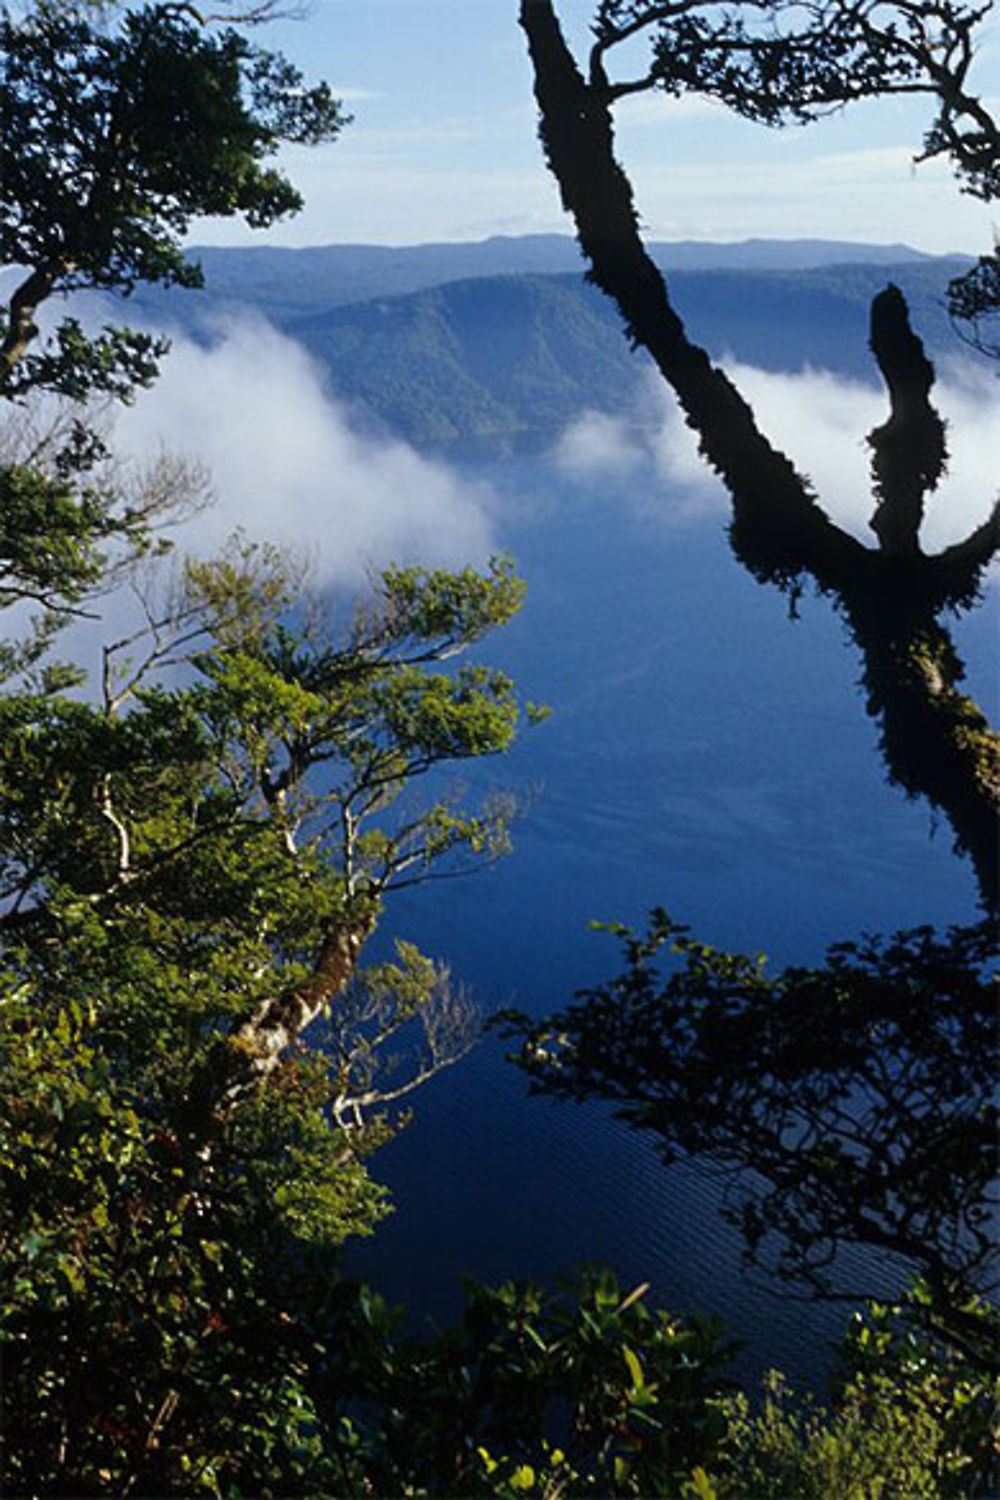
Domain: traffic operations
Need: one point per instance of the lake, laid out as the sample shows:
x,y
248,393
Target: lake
x,y
705,754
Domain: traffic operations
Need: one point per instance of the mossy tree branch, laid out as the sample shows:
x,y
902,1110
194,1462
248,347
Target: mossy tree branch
x,y
935,741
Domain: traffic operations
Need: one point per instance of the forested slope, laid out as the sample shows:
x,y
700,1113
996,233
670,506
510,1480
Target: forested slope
x,y
510,360
496,346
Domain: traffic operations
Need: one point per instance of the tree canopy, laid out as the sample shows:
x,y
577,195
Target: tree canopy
x,y
974,304
780,62
121,128
196,847
121,125
193,861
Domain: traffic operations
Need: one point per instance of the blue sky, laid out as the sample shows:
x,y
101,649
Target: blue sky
x,y
443,145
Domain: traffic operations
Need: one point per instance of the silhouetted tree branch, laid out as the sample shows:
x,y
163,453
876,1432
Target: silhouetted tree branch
x,y
935,740
847,1105
974,304
775,62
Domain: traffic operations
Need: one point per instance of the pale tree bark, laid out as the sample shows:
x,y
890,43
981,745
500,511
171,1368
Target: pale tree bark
x,y
281,1021
244,1061
935,741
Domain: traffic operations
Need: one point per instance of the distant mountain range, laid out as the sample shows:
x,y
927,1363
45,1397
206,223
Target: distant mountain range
x,y
292,282
500,344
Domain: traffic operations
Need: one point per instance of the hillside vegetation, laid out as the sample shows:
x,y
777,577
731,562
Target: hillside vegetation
x,y
504,362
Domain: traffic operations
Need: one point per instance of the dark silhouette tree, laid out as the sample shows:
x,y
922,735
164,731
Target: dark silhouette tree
x,y
775,62
974,304
769,64
849,1105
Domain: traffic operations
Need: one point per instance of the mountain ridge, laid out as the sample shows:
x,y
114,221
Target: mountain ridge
x,y
294,281
504,361
508,361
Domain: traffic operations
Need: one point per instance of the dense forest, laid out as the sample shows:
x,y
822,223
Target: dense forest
x,y
205,1045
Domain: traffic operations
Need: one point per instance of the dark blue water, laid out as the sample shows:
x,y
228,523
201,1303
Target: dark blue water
x,y
704,754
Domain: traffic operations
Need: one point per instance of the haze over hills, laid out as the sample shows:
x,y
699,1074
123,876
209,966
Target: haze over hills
x,y
509,361
291,282
661,777
497,346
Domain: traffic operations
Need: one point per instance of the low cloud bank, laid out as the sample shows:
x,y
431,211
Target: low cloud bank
x,y
287,464
821,421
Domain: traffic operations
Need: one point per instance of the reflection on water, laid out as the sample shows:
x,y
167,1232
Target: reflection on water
x,y
706,755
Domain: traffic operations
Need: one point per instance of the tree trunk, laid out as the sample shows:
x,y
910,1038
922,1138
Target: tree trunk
x,y
936,743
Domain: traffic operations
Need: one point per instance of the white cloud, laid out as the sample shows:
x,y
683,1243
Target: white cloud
x,y
599,446
596,448
350,95
660,111
288,464
967,398
821,421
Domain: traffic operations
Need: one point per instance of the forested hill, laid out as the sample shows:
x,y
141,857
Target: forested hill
x,y
510,360
504,361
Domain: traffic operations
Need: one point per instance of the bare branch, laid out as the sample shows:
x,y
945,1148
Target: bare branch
x,y
449,1021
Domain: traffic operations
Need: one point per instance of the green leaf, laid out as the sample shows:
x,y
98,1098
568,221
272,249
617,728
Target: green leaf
x,y
634,1367
700,1486
72,1273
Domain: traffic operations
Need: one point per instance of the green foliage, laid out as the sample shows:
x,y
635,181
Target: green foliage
x,y
191,862
885,1348
452,607
586,1391
151,1308
117,133
121,125
46,536
167,119
179,859
880,1442
194,851
911,1420
58,529
115,363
